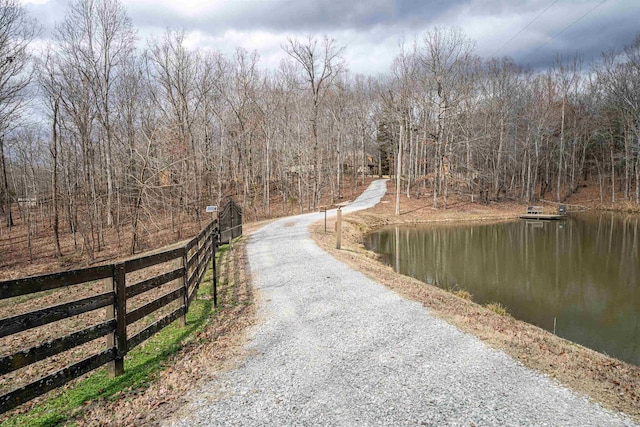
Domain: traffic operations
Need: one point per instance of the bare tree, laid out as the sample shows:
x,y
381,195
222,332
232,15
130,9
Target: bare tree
x,y
17,30
446,54
567,77
619,80
321,64
174,73
101,37
49,83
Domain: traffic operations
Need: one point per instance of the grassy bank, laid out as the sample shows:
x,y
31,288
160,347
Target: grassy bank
x,y
159,372
610,382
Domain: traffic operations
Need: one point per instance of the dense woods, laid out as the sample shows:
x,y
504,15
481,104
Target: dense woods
x,y
100,130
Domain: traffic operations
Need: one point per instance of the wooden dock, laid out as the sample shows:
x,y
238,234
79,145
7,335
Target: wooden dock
x,y
548,217
536,213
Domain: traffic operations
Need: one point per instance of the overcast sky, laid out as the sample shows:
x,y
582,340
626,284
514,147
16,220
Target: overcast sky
x,y
531,31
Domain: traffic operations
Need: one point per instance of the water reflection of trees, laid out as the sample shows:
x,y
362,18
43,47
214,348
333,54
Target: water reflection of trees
x,y
584,271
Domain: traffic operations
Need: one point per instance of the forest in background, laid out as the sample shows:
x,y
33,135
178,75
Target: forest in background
x,y
102,131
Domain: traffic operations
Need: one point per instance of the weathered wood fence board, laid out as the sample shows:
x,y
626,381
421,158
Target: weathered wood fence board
x,y
23,322
193,258
154,282
150,260
24,358
154,305
55,380
31,285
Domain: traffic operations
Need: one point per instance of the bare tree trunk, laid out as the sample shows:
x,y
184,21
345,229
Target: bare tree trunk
x,y
410,162
399,170
364,155
600,178
268,178
54,178
627,163
496,183
637,179
561,151
613,173
5,186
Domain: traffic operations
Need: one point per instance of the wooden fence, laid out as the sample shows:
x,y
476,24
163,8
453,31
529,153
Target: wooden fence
x,y
184,266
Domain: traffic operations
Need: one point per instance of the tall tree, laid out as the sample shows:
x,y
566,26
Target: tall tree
x,y
321,63
17,30
446,55
101,36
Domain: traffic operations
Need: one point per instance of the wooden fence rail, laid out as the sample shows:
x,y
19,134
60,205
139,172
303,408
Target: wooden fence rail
x,y
186,265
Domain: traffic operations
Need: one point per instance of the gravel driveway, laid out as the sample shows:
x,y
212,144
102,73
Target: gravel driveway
x,y
332,347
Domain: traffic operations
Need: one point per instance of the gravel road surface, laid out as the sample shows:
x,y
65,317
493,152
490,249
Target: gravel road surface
x,y
332,347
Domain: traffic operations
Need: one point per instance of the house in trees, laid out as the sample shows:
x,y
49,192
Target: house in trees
x,y
371,168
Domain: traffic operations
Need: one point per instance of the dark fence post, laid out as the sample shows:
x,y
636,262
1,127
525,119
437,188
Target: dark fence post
x,y
185,287
116,367
231,226
215,233
111,314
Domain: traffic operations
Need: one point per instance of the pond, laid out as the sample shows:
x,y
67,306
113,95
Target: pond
x,y
580,276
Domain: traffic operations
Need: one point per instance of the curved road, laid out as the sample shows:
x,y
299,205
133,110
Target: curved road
x,y
332,347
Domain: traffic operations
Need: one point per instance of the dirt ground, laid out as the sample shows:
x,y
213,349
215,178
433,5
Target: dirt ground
x,y
16,262
612,383
588,195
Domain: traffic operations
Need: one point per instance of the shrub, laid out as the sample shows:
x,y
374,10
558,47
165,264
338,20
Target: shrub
x,y
498,308
461,293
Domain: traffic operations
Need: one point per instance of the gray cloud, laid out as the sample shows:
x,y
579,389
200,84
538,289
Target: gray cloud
x,y
602,30
366,24
303,16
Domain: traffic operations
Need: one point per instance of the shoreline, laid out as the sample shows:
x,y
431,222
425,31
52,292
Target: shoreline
x,y
612,383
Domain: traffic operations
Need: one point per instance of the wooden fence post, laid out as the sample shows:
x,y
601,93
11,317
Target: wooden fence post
x,y
215,233
185,285
111,314
116,367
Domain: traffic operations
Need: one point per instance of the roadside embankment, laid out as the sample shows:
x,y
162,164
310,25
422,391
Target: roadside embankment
x,y
610,382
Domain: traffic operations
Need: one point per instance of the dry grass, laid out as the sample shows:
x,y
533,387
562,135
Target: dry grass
x,y
588,195
498,309
463,294
612,383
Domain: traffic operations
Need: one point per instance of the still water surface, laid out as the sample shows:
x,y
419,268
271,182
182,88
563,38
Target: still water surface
x,y
583,272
